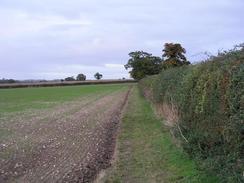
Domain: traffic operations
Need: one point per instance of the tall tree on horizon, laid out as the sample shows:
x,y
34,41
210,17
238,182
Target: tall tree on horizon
x,y
98,76
142,64
174,54
81,77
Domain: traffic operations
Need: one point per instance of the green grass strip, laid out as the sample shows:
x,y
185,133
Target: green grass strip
x,y
146,152
21,99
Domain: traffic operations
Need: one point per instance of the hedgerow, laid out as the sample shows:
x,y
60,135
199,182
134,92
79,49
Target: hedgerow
x,y
209,98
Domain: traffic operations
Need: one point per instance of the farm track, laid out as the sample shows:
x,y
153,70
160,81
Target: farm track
x,y
70,143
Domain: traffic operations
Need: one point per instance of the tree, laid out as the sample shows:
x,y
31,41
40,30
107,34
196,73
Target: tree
x,y
142,64
98,76
81,77
174,54
70,78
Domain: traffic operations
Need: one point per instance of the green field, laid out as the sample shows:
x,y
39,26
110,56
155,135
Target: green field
x,y
21,99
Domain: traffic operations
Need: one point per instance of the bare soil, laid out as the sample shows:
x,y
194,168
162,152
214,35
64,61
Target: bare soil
x,y
70,143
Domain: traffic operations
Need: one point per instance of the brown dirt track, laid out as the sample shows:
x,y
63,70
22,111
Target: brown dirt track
x,y
70,143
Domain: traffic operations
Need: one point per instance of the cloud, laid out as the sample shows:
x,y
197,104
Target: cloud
x,y
20,23
39,36
116,66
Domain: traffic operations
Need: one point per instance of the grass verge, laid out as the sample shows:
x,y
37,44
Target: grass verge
x,y
145,151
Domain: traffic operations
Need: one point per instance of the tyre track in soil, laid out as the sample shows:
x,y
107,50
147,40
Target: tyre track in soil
x,y
69,149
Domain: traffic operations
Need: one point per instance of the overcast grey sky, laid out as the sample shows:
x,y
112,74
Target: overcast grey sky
x,y
48,39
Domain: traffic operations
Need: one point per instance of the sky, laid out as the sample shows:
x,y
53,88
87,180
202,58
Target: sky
x,y
54,39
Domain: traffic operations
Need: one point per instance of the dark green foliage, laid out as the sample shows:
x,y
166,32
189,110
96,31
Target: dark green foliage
x,y
98,76
70,79
81,77
174,54
2,81
143,64
210,99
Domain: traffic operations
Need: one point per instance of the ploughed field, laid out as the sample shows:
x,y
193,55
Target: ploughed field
x,y
58,134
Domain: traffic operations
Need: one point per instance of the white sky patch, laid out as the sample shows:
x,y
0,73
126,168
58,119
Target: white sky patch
x,y
115,66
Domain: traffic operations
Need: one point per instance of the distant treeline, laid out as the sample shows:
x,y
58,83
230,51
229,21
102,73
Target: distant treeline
x,y
79,77
63,83
3,81
82,77
203,105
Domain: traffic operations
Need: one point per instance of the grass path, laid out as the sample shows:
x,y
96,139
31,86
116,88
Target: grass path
x,y
145,151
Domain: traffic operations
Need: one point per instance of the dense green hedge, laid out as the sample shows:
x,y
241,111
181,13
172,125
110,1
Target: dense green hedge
x,y
210,99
